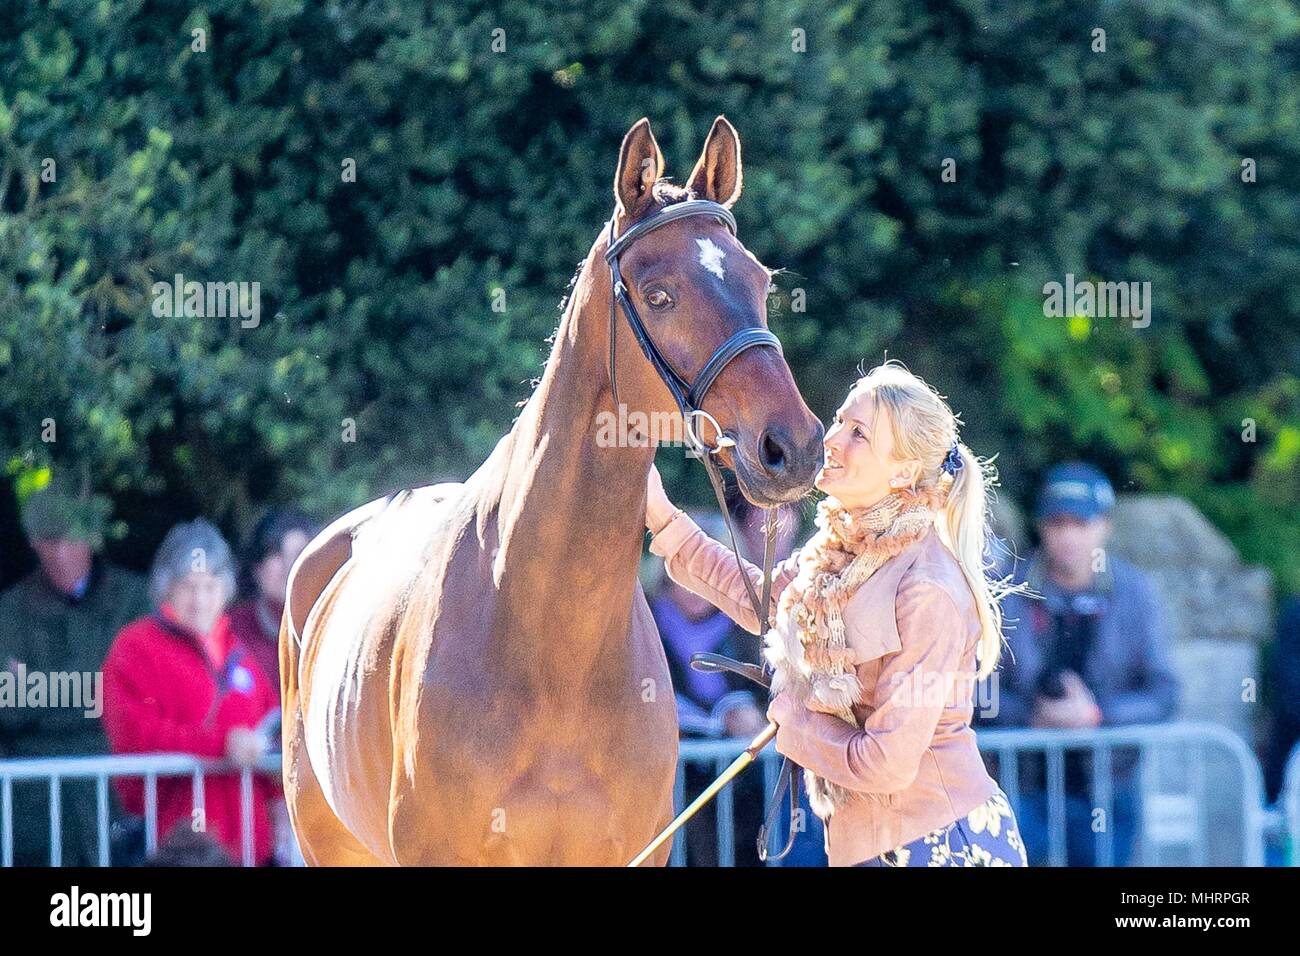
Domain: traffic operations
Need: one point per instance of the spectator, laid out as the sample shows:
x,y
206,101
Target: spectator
x,y
708,704
809,848
1284,695
60,619
180,681
712,706
277,541
1092,652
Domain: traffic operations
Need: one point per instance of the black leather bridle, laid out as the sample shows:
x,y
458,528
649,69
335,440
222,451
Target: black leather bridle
x,y
689,397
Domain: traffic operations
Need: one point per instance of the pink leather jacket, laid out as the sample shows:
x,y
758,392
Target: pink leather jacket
x,y
913,627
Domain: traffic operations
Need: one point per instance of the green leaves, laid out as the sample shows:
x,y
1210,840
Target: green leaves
x,y
411,187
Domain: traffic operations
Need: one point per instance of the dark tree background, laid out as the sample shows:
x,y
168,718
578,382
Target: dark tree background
x,y
481,169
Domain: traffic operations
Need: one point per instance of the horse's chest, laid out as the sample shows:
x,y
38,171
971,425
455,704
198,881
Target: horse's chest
x,y
539,756
591,727
542,783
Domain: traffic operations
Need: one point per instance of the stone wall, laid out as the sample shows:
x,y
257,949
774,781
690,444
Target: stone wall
x,y
1211,594
1220,609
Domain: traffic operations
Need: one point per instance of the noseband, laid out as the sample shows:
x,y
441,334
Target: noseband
x,y
688,396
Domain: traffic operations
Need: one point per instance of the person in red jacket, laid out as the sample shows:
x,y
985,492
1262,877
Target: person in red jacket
x,y
180,681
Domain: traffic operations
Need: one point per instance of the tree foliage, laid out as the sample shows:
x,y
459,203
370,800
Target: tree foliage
x,y
482,174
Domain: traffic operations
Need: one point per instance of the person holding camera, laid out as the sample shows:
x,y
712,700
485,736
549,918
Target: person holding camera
x,y
1089,649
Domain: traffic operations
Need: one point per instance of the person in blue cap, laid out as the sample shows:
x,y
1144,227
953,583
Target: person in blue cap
x,y
1092,651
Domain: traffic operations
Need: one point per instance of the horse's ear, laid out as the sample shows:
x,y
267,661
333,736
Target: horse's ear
x,y
718,174
640,163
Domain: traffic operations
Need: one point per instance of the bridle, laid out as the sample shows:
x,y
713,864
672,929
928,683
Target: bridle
x,y
689,397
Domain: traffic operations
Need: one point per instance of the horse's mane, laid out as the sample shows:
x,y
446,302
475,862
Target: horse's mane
x,y
667,194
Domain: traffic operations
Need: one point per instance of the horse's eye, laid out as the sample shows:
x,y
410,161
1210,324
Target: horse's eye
x,y
658,299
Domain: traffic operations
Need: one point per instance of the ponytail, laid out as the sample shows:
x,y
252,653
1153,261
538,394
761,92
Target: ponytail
x,y
966,527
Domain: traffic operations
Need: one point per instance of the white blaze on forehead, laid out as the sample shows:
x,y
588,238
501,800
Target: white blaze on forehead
x,y
711,256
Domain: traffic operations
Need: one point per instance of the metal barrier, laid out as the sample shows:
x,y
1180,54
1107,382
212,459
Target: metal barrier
x,y
1289,801
1177,817
149,767
720,754
1174,816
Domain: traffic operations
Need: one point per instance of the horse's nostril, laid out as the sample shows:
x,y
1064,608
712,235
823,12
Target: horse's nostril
x,y
772,453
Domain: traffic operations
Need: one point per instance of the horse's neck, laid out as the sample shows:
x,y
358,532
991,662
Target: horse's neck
x,y
571,514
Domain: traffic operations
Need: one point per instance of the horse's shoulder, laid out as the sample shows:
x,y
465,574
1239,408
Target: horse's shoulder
x,y
406,520
391,530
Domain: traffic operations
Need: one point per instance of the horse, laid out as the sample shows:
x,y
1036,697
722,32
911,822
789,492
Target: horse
x,y
470,671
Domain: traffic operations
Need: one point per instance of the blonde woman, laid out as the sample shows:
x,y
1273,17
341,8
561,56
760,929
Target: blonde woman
x,y
884,620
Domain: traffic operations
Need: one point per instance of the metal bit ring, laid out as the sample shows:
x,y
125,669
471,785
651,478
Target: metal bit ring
x,y
693,436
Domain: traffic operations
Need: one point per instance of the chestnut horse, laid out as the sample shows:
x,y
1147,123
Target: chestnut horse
x,y
470,672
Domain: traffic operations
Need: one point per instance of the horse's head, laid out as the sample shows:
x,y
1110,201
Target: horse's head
x,y
694,285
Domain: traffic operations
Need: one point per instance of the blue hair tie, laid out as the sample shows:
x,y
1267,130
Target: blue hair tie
x,y
952,462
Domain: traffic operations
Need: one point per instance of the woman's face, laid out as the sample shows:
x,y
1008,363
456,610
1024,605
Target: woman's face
x,y
198,600
859,466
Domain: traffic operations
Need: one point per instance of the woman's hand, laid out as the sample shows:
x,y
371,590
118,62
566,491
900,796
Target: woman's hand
x,y
785,712
658,509
782,708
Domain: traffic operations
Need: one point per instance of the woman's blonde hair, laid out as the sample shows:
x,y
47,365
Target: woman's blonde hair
x,y
925,428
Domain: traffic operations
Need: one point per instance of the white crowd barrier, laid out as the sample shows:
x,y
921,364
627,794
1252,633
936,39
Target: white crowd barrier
x,y
1199,791
1199,786
149,768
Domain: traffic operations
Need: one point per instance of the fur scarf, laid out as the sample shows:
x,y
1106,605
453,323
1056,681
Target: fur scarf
x,y
806,647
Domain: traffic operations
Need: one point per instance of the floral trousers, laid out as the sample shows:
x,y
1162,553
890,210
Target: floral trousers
x,y
987,836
